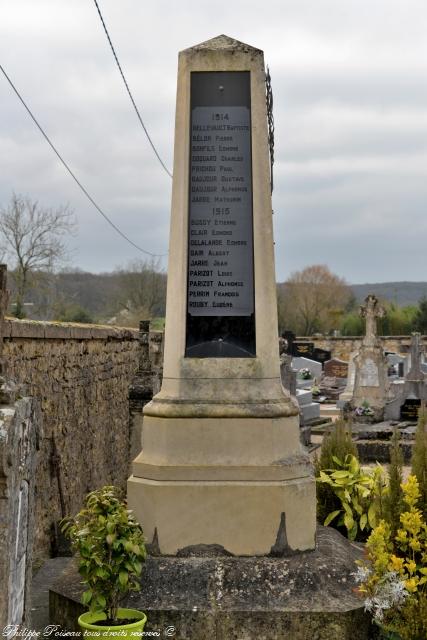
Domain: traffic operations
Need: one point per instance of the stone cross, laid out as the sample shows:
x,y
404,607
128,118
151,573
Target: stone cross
x,y
371,310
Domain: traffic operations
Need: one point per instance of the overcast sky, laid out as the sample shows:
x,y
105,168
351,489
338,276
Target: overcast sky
x,y
350,105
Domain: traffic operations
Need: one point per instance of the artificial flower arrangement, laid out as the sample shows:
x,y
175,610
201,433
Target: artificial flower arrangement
x,y
305,374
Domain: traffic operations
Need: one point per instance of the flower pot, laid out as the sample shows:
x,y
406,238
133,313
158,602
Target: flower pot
x,y
92,630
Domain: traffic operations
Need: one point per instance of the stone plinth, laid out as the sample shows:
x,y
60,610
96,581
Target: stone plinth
x,y
222,461
302,597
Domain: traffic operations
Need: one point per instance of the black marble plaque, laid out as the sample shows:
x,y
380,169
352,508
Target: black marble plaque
x,y
220,282
409,409
303,349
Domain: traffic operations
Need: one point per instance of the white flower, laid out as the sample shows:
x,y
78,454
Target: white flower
x,y
389,592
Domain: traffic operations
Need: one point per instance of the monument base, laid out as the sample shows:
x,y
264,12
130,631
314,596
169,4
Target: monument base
x,y
242,517
309,595
245,484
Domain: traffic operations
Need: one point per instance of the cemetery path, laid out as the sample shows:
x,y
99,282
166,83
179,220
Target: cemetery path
x,y
42,581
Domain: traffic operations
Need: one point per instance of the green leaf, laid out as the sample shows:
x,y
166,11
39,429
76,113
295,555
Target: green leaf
x,y
330,517
354,466
101,601
372,515
123,578
347,509
348,522
340,474
353,532
87,597
363,521
337,461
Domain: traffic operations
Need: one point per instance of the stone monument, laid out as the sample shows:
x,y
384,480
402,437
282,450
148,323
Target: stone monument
x,y
370,364
222,462
222,473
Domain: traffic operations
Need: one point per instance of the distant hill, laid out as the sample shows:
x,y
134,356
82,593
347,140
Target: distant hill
x,y
403,293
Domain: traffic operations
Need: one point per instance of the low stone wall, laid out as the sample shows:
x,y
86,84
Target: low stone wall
x,y
343,346
81,377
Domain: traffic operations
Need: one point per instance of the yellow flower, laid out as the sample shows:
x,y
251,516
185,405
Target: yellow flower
x,y
402,537
396,564
411,584
412,521
415,544
411,491
411,566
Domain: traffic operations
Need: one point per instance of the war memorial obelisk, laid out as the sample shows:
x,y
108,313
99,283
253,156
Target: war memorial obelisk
x,y
222,462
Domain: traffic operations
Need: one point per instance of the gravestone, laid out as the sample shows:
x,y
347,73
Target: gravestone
x,y
409,409
287,374
336,368
309,409
370,382
398,363
222,462
314,367
346,396
321,355
302,349
406,396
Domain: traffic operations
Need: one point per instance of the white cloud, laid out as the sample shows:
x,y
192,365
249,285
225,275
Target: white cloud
x,y
350,110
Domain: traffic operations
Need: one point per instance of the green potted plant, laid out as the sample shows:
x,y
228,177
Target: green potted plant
x,y
110,545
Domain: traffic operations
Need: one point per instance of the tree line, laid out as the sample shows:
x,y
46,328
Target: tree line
x,y
32,241
315,300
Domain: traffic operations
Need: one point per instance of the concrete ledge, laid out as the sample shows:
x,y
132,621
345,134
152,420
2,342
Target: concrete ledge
x,y
304,597
32,329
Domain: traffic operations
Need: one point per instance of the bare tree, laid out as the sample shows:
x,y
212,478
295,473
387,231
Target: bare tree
x,y
313,299
142,290
31,237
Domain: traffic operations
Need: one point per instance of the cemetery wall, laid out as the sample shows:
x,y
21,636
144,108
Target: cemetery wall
x,y
81,377
342,347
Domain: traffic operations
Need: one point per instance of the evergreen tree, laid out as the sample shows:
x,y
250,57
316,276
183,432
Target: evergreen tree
x,y
393,501
421,316
419,458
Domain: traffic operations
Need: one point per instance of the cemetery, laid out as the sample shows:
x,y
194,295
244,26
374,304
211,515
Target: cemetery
x,y
214,480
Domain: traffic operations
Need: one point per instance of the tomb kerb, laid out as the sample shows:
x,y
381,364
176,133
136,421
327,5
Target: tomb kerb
x,y
222,462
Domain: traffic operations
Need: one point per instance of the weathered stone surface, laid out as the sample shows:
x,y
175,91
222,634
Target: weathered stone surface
x,y
20,437
304,597
82,382
414,386
379,450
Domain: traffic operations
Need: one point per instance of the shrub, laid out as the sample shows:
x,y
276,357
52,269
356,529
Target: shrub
x,y
360,494
337,443
110,544
393,579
